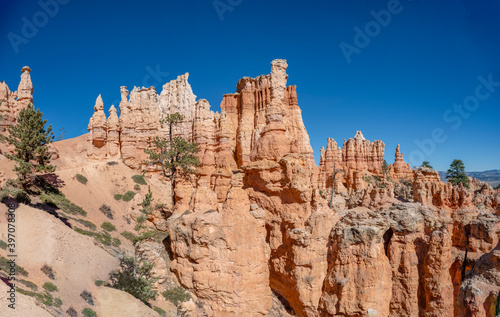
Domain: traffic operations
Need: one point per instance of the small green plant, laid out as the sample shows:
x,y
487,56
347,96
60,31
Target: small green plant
x,y
49,287
140,223
382,185
116,242
160,311
82,179
87,296
103,238
29,284
47,270
137,187
61,202
155,235
46,298
5,265
129,236
99,283
3,245
108,226
118,196
87,312
176,295
320,192
72,312
87,224
135,280
139,179
128,196
106,210
58,302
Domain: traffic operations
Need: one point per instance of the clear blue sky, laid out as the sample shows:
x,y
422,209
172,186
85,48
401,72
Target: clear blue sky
x,y
396,88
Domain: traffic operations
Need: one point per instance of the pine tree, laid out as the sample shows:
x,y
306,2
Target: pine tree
x,y
426,164
385,169
30,139
174,154
456,174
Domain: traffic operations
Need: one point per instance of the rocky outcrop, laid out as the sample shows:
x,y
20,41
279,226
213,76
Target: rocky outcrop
x,y
400,170
11,103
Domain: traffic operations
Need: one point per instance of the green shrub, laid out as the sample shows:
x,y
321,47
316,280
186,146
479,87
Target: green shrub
x,y
85,232
87,296
49,287
118,196
99,283
29,284
104,238
3,244
87,224
139,179
58,302
108,226
46,298
106,210
129,235
5,266
160,311
82,179
61,202
116,242
87,312
176,295
128,196
47,270
137,187
155,235
135,280
16,193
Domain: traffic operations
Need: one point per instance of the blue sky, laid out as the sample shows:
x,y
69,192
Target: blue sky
x,y
401,79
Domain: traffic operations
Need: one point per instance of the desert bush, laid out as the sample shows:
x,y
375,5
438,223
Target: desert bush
x,y
5,266
47,270
58,302
139,179
82,179
140,284
49,287
87,312
116,242
129,235
3,244
106,210
176,295
160,311
87,224
118,196
112,163
103,238
29,284
137,187
99,283
87,296
72,312
61,202
128,196
46,298
16,193
108,226
154,235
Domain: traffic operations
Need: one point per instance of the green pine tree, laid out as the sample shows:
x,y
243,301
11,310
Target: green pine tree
x,y
456,174
30,139
174,154
385,169
426,164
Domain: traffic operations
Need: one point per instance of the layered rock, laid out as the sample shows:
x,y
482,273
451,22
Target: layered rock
x,y
11,103
400,170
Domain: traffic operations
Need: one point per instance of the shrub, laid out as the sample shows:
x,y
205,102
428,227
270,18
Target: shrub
x,y
49,287
128,196
61,202
106,210
99,283
87,224
118,196
140,285
129,235
29,284
155,235
108,226
16,193
176,295
112,163
46,298
160,311
137,187
82,179
116,242
72,312
139,179
103,238
87,312
3,245
47,270
5,266
58,302
87,296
